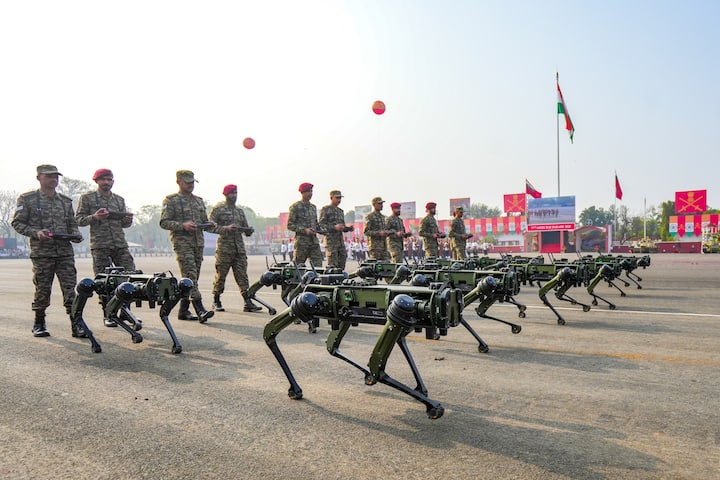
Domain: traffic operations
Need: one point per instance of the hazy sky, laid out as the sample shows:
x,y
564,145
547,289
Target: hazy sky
x,y
149,87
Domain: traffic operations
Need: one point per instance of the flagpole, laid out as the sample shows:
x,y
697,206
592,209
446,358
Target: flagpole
x,y
557,136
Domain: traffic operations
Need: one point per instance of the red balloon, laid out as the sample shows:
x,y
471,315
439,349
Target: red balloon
x,y
378,107
249,143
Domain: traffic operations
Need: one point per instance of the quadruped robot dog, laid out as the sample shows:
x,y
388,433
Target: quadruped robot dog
x,y
119,289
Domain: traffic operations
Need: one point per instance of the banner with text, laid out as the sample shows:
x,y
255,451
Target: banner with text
x,y
361,211
551,213
459,202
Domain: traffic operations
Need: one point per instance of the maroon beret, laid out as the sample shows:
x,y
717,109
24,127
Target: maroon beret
x,y
395,205
305,187
229,188
102,172
430,205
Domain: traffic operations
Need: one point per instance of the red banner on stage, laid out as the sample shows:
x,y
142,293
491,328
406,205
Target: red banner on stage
x,y
691,201
514,202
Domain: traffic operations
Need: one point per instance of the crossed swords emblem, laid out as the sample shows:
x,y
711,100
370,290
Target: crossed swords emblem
x,y
691,204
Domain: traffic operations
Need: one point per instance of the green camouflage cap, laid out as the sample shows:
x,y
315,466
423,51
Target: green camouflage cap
x,y
377,200
335,193
186,176
47,170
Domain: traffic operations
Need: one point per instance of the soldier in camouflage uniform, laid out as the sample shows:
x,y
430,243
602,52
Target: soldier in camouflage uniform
x,y
107,238
40,215
302,219
430,231
181,214
396,233
332,222
458,235
376,231
230,251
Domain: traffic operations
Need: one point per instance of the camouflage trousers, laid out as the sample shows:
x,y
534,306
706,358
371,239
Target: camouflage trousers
x,y
239,264
311,251
431,250
458,252
190,260
104,257
336,255
44,271
396,254
379,254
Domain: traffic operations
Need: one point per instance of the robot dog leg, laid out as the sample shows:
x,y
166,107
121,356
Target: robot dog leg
x,y
185,286
400,321
604,273
270,332
84,290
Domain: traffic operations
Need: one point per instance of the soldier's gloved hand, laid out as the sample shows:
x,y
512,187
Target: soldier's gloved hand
x,y
189,226
250,232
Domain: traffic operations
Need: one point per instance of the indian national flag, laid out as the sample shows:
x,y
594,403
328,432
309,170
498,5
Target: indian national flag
x,y
562,110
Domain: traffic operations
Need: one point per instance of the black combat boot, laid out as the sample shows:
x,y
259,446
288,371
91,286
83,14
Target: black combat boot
x,y
203,315
217,304
249,305
184,312
39,329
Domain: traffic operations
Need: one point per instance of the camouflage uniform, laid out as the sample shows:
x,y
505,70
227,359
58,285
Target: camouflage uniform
x,y
429,227
303,215
457,238
335,250
107,238
230,251
377,246
37,211
395,244
188,246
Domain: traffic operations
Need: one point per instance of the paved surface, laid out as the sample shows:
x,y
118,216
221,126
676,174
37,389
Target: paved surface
x,y
630,393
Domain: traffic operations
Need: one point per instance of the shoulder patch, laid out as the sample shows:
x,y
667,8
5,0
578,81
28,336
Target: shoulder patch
x,y
19,207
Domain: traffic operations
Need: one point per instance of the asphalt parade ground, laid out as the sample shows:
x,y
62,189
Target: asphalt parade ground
x,y
631,393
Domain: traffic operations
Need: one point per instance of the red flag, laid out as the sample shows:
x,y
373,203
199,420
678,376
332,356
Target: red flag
x,y
618,189
691,201
530,190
